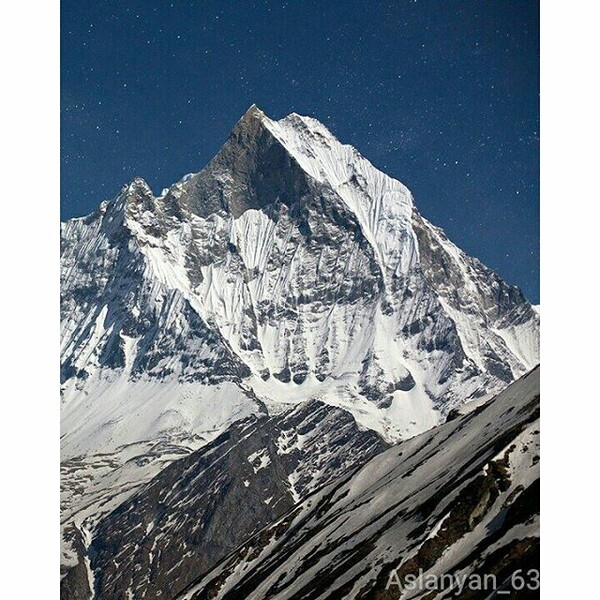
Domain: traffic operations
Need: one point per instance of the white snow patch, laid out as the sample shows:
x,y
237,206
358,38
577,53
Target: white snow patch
x,y
263,458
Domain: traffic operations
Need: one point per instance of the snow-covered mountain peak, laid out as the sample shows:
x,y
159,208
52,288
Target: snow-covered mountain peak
x,y
299,143
251,121
253,112
299,269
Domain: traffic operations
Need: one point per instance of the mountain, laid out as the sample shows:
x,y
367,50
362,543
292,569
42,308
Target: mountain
x,y
459,501
288,270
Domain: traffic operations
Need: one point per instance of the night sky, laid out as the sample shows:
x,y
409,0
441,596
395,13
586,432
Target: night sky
x,y
441,94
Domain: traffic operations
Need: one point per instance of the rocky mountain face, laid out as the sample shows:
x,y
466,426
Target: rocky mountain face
x,y
289,272
460,500
199,508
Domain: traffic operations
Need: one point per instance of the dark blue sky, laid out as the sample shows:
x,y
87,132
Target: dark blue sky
x,y
442,95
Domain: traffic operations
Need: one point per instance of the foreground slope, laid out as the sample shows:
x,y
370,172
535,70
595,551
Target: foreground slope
x,y
460,499
202,506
